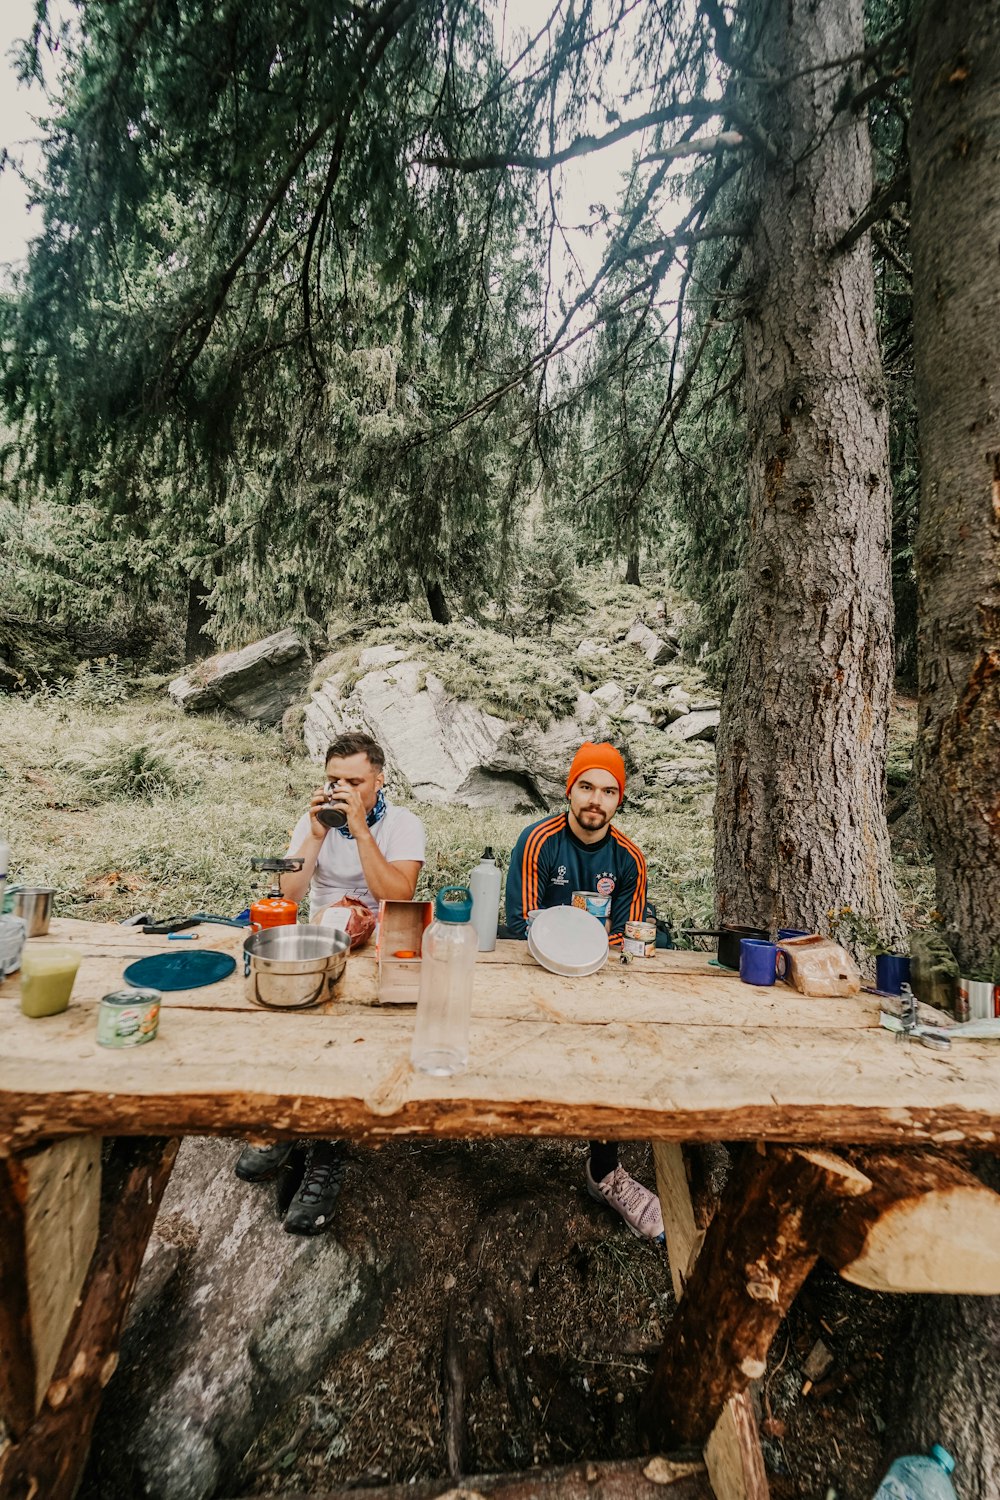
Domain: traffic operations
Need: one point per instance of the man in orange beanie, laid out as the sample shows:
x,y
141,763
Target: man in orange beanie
x,y
581,850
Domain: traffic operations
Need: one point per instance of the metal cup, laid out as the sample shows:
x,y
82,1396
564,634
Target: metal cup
x,y
33,903
330,816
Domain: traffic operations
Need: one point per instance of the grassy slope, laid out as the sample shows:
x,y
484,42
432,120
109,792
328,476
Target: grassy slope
x,y
238,791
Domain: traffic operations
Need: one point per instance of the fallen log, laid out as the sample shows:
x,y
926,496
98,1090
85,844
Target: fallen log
x,y
632,1479
925,1225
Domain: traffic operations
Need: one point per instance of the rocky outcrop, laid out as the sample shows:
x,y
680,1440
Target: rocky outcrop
x,y
445,749
698,724
258,683
655,648
232,1319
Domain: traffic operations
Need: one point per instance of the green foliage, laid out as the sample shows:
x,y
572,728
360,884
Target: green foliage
x,y
548,589
115,767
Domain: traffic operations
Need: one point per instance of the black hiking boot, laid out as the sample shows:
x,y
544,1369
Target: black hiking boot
x,y
311,1209
261,1163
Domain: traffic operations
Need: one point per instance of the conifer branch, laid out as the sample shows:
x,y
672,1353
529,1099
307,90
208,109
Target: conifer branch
x,y
882,200
583,145
705,145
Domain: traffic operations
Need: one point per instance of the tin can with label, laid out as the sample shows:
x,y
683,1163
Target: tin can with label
x,y
640,939
128,1017
600,907
580,898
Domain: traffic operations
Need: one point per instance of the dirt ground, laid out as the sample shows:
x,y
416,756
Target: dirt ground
x,y
523,1324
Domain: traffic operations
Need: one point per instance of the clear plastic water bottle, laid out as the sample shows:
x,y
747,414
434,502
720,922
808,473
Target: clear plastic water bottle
x,y
919,1476
484,883
444,1005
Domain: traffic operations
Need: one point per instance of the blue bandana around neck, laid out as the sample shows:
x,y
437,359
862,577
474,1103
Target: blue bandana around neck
x,y
376,815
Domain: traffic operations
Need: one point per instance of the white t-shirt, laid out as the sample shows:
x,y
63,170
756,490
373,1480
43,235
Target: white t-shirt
x,y
399,835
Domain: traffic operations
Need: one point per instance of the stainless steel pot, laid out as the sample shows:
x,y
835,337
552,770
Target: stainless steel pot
x,y
293,968
34,904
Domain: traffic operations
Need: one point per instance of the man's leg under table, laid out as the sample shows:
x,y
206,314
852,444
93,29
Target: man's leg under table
x,y
72,1239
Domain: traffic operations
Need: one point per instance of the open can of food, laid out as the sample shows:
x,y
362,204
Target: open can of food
x,y
128,1017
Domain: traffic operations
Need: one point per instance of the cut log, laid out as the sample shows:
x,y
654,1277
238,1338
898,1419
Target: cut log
x,y
630,1479
732,1454
757,1252
48,1223
926,1225
48,1458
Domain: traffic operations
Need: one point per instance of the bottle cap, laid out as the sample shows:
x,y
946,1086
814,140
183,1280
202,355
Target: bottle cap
x,y
942,1457
453,903
488,854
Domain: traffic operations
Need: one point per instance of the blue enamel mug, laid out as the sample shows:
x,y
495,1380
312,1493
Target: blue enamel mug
x,y
758,961
892,970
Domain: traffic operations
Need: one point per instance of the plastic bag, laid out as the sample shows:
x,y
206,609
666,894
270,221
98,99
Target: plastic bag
x,y
819,966
351,916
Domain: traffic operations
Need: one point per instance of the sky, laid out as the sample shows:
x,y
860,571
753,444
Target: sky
x,y
17,127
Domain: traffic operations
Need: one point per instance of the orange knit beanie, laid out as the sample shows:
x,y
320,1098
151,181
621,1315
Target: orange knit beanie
x,y
602,757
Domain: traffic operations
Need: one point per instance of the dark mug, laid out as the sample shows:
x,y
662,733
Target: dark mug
x,y
892,970
329,815
758,961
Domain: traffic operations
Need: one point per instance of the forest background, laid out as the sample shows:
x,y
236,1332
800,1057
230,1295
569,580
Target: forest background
x,y
306,336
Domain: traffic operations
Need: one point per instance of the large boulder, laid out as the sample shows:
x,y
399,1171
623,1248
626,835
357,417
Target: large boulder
x,y
696,725
258,682
231,1320
448,750
655,648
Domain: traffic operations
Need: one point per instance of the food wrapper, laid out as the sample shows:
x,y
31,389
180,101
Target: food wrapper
x,y
819,966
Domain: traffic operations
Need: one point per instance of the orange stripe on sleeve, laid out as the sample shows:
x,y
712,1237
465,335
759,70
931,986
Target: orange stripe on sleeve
x,y
529,862
637,906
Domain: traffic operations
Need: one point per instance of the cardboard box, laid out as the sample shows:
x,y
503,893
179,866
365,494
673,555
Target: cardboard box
x,y
401,930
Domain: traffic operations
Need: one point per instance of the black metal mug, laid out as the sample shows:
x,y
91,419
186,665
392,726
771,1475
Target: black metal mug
x,y
330,816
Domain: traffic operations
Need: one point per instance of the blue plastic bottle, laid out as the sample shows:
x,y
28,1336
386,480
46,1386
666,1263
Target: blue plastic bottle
x,y
919,1476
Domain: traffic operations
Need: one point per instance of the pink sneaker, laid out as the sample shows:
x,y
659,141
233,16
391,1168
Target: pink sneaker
x,y
637,1205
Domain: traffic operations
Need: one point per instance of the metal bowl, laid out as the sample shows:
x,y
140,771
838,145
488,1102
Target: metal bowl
x,y
34,904
293,968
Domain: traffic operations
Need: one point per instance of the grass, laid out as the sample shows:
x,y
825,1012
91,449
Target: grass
x,y
123,804
232,792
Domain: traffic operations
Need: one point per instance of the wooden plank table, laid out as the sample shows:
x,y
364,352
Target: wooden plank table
x,y
847,1129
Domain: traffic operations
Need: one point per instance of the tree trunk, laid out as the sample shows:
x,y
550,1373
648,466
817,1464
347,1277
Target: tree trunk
x,y
437,603
632,568
197,636
954,150
800,816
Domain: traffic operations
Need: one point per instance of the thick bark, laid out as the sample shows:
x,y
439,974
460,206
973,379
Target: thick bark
x,y
632,568
955,150
800,817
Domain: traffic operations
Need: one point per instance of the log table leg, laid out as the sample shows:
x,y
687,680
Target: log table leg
x,y
757,1251
733,1458
47,1454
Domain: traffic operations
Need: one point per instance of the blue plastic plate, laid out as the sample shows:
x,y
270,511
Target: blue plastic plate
x,y
180,971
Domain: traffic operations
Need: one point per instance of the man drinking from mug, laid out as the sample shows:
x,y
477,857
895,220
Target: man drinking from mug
x,y
375,855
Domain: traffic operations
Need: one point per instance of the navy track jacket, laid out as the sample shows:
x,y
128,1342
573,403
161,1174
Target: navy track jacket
x,y
549,863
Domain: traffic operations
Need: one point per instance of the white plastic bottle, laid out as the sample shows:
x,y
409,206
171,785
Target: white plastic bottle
x,y
444,1005
4,864
920,1476
484,883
